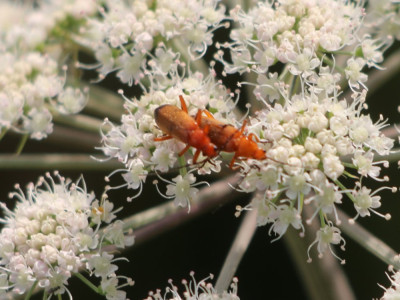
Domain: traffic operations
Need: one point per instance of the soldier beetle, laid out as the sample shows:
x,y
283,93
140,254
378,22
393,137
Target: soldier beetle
x,y
229,139
177,123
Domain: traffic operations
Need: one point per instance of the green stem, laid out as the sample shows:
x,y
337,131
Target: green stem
x,y
342,53
349,165
301,202
322,219
343,188
88,283
22,144
330,63
182,164
295,86
30,292
3,132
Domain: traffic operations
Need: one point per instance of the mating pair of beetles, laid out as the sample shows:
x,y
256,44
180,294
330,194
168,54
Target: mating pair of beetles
x,y
205,133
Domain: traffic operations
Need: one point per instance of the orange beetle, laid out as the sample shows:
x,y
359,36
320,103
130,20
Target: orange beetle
x,y
229,139
177,123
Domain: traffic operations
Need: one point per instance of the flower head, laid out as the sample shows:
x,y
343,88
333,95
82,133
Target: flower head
x,y
49,236
124,35
196,291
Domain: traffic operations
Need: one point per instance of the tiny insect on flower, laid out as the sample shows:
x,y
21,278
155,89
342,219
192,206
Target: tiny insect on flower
x,y
230,139
177,123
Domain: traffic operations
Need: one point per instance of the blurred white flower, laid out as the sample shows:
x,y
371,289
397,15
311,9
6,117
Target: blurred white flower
x,y
47,237
194,290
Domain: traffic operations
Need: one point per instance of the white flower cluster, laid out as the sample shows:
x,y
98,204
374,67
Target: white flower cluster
x,y
196,291
30,87
307,140
53,233
133,143
302,34
393,292
32,84
127,32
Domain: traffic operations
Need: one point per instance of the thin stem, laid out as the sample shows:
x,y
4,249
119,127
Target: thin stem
x,y
3,132
31,290
330,63
182,164
88,283
81,122
368,241
21,144
55,161
157,220
340,52
239,247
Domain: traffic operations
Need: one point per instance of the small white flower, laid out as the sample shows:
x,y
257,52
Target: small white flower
x,y
101,264
371,52
71,101
38,123
114,233
131,68
332,165
353,72
284,216
366,202
296,185
181,189
312,145
163,158
304,64
327,236
365,165
109,287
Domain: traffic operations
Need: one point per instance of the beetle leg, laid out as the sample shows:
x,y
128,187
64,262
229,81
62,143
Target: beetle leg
x,y
196,156
232,162
208,114
243,127
206,160
253,136
184,150
198,116
206,128
183,104
162,138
